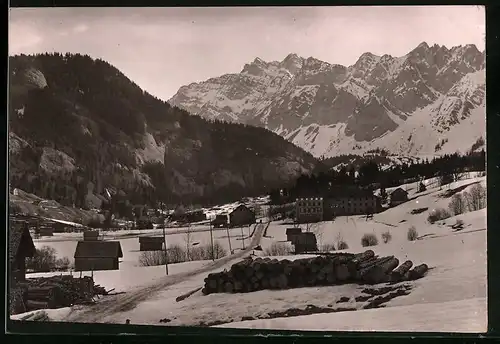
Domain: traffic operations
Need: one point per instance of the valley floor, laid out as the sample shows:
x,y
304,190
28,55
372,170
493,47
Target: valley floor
x,y
452,297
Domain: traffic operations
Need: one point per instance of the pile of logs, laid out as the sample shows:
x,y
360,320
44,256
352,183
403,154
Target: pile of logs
x,y
58,291
337,268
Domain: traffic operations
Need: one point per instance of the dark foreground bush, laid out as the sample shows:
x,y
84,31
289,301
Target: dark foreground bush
x,y
45,260
412,234
438,215
386,237
369,239
279,249
178,254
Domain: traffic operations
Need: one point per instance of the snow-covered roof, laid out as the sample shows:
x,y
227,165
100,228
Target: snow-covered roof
x,y
69,223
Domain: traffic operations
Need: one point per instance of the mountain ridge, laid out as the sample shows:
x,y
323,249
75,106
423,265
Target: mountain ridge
x,y
77,123
361,103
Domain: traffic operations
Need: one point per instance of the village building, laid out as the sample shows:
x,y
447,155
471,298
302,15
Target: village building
x,y
292,232
241,216
397,197
309,210
220,221
91,235
61,226
189,216
151,243
344,201
97,255
45,231
21,246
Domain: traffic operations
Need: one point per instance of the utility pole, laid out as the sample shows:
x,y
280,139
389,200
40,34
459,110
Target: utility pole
x,y
212,240
228,238
243,237
165,255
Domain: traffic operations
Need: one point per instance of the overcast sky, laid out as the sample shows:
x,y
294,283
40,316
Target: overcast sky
x,y
162,49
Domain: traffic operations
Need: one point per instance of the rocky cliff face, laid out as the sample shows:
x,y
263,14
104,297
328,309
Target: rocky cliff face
x,y
329,109
75,120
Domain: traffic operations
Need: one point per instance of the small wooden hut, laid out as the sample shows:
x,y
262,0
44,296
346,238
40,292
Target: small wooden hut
x,y
151,243
241,216
45,231
292,232
305,242
97,255
91,235
20,247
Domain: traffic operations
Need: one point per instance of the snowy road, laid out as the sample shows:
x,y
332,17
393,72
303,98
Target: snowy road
x,y
126,302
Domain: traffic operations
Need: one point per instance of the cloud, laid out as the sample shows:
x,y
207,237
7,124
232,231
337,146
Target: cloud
x,y
22,38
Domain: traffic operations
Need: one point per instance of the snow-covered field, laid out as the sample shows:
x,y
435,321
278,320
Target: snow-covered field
x,y
396,220
65,243
452,297
130,277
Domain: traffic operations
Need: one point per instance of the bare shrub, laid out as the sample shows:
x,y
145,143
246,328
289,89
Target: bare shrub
x,y
327,247
204,252
279,249
152,258
457,205
44,260
459,223
340,243
476,197
386,237
412,234
369,239
176,254
62,264
437,215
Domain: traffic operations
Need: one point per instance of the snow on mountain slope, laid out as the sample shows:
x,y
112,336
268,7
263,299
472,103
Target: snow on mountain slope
x,y
407,105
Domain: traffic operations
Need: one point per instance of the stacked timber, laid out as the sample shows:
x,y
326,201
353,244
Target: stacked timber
x,y
58,291
337,268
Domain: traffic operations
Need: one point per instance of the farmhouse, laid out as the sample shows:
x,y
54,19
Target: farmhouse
x,y
190,216
309,209
398,196
351,201
97,255
241,216
61,226
220,221
20,246
151,243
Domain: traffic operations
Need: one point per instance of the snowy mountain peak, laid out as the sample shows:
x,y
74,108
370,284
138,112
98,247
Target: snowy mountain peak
x,y
330,109
423,45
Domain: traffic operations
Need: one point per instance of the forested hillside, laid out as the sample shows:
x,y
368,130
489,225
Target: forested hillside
x,y
78,125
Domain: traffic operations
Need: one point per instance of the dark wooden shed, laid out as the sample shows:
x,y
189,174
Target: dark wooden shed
x,y
151,243
241,216
220,221
20,247
292,232
305,242
397,197
45,231
97,255
90,235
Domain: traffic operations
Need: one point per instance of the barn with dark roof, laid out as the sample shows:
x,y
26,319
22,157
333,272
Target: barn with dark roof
x,y
21,246
97,255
